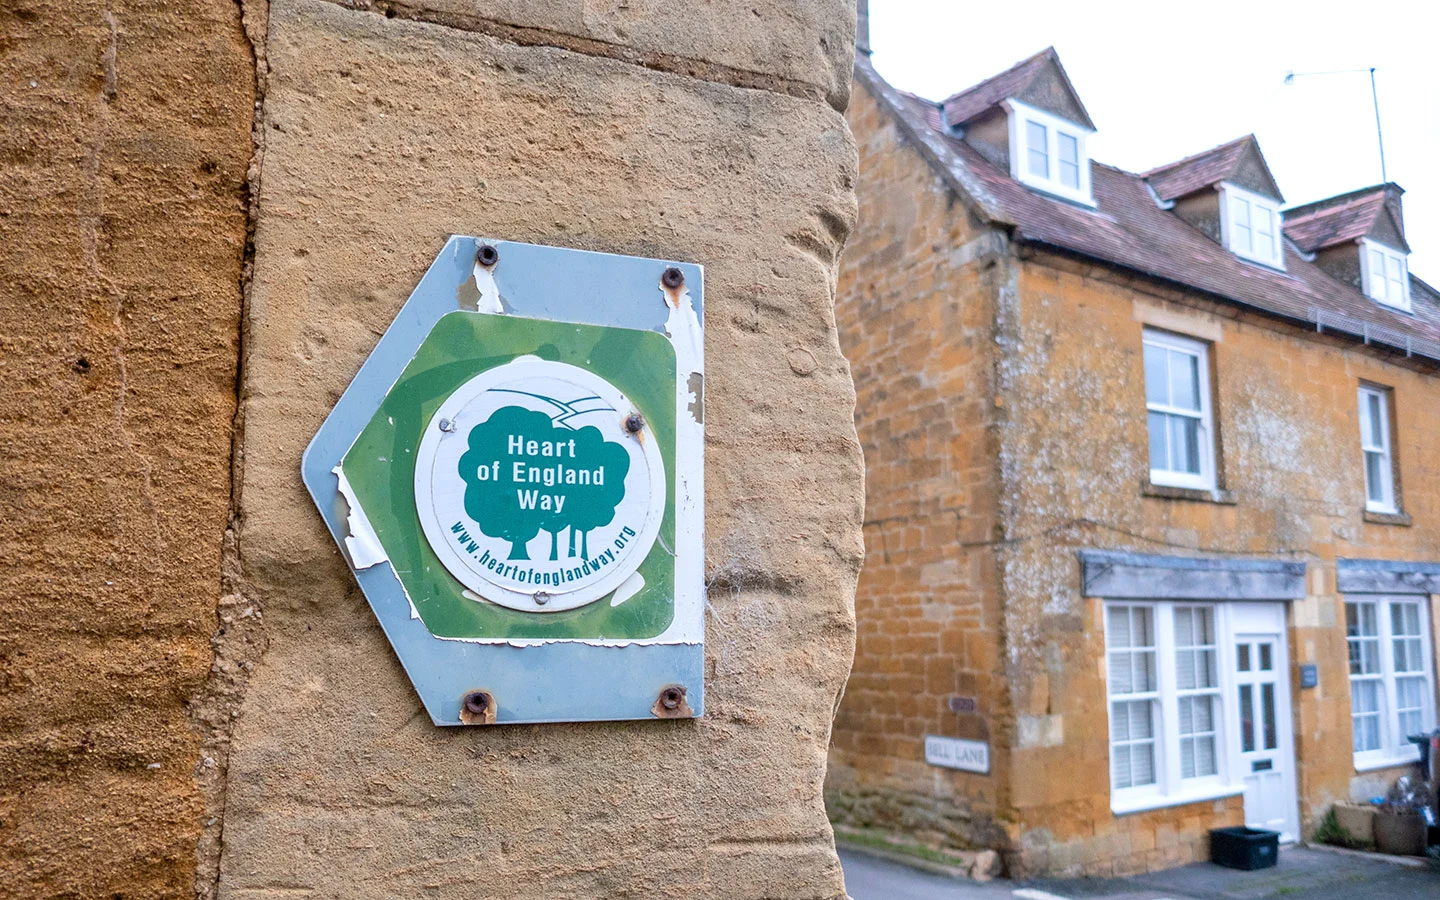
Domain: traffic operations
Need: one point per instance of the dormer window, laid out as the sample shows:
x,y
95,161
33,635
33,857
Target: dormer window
x,y
1385,274
1251,225
1048,153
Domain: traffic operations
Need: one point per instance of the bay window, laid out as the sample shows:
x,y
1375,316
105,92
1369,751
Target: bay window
x,y
1392,691
1165,704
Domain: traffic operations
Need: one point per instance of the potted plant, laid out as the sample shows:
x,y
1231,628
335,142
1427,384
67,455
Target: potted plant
x,y
1399,823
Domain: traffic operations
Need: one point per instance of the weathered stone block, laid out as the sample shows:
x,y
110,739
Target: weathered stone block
x,y
805,49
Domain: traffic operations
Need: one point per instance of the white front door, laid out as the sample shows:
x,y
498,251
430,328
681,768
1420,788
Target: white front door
x,y
1264,738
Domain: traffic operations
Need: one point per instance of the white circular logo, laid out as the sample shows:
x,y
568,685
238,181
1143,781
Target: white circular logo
x,y
539,486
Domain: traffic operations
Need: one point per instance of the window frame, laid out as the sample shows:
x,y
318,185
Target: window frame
x,y
1170,788
1390,500
1021,116
1206,479
1394,750
1253,201
1370,280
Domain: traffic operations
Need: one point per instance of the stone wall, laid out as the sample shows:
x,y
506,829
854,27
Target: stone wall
x,y
124,144
384,134
195,697
916,320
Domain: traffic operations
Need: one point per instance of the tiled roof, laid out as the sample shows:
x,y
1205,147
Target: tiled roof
x,y
1199,171
969,103
1336,220
1130,230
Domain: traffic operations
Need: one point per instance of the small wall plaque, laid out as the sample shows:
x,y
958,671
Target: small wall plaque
x,y
962,704
1309,675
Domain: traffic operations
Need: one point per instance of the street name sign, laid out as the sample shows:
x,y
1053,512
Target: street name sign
x,y
515,476
957,753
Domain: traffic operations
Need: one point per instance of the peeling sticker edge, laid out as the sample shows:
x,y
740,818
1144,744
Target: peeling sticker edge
x,y
489,300
628,588
590,642
361,543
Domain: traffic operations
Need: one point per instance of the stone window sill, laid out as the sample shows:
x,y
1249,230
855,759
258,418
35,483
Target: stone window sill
x,y
1379,518
1165,492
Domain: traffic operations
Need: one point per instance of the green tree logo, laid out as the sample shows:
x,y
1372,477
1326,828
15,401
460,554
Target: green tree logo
x,y
523,474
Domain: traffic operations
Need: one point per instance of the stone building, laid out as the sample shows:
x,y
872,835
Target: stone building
x,y
1153,489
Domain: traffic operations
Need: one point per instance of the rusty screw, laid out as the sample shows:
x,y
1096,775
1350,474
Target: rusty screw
x,y
671,697
634,423
476,702
672,278
487,255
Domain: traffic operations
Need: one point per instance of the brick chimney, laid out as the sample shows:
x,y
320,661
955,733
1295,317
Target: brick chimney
x,y
1392,202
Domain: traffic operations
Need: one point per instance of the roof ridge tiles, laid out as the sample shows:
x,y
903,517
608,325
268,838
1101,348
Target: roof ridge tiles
x,y
1029,60
1201,155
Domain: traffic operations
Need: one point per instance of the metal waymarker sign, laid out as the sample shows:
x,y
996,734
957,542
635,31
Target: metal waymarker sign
x,y
515,476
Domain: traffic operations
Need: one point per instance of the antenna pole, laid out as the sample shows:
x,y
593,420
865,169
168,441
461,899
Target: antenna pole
x,y
1379,135
1374,98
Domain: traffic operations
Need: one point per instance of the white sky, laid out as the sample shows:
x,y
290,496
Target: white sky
x,y
1163,80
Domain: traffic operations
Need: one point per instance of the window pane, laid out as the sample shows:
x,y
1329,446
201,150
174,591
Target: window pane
x,y
1405,619
1184,626
1267,714
1184,444
1364,707
1119,723
1038,154
1264,233
1120,680
1142,763
1240,225
1367,733
1410,704
1374,477
1120,763
1205,762
1142,627
1118,625
1265,661
1377,275
1159,443
1143,672
1247,718
1184,380
1156,380
1377,420
1141,720
1185,670
1068,150
1243,655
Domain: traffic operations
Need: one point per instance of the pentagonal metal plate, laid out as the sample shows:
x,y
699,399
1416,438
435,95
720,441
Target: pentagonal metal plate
x,y
516,478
